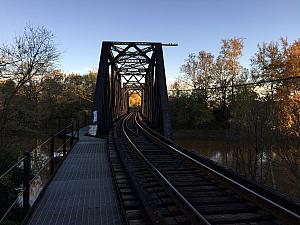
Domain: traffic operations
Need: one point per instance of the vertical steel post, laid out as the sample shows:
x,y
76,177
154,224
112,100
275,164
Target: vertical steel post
x,y
64,142
26,182
162,95
52,159
59,124
77,127
101,97
72,136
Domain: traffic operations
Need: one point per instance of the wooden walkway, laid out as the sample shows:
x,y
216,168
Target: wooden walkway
x,y
82,190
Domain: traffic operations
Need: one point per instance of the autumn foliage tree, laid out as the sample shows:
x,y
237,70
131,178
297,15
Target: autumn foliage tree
x,y
280,61
262,118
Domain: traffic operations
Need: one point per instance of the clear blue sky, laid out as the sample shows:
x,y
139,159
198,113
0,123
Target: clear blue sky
x,y
80,26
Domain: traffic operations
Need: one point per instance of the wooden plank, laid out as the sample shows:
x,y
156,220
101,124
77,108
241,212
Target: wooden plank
x,y
226,208
237,217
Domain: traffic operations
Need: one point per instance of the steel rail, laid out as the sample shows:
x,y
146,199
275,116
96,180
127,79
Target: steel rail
x,y
274,208
196,216
239,85
59,132
10,169
62,145
37,146
45,163
11,206
9,209
41,144
49,138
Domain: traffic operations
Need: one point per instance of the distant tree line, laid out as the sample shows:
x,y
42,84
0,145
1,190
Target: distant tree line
x,y
216,84
259,105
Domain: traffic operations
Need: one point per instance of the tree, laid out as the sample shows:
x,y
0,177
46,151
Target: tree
x,y
228,65
280,60
205,68
32,56
197,69
190,70
288,92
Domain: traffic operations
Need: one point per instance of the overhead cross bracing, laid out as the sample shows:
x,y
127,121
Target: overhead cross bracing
x,y
132,63
128,68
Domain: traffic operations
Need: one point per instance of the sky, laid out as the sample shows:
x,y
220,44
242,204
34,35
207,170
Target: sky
x,y
81,25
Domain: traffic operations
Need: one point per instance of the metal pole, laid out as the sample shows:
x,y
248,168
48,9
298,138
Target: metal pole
x,y
77,127
59,122
26,182
72,136
64,140
52,162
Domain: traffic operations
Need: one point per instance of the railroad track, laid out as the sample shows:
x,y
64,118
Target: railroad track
x,y
161,183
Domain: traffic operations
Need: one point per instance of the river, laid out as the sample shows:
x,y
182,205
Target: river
x,y
268,169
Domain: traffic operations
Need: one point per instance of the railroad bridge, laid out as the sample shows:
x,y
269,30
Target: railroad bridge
x,y
131,172
126,68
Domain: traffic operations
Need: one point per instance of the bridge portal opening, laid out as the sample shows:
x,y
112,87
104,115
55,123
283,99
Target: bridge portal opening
x,y
135,99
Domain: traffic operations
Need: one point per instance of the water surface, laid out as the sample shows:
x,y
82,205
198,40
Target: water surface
x,y
270,170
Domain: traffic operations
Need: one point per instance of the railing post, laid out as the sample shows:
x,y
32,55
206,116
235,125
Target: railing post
x,y
64,140
59,124
72,136
26,182
77,126
52,160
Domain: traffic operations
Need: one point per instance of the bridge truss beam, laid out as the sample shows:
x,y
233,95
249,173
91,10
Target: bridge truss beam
x,y
126,68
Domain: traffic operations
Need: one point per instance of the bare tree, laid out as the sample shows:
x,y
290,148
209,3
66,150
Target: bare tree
x,y
31,56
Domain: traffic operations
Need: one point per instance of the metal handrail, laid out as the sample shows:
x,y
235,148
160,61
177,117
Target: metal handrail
x,y
41,144
10,169
37,146
63,144
44,163
59,132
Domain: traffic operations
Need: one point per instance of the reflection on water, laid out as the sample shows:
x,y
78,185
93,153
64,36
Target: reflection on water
x,y
270,168
212,149
40,166
35,189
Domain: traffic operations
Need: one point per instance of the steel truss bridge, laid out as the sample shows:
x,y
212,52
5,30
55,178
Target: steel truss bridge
x,y
126,68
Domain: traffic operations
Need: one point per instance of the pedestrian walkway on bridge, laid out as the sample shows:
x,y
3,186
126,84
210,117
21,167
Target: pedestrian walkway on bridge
x,y
82,191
